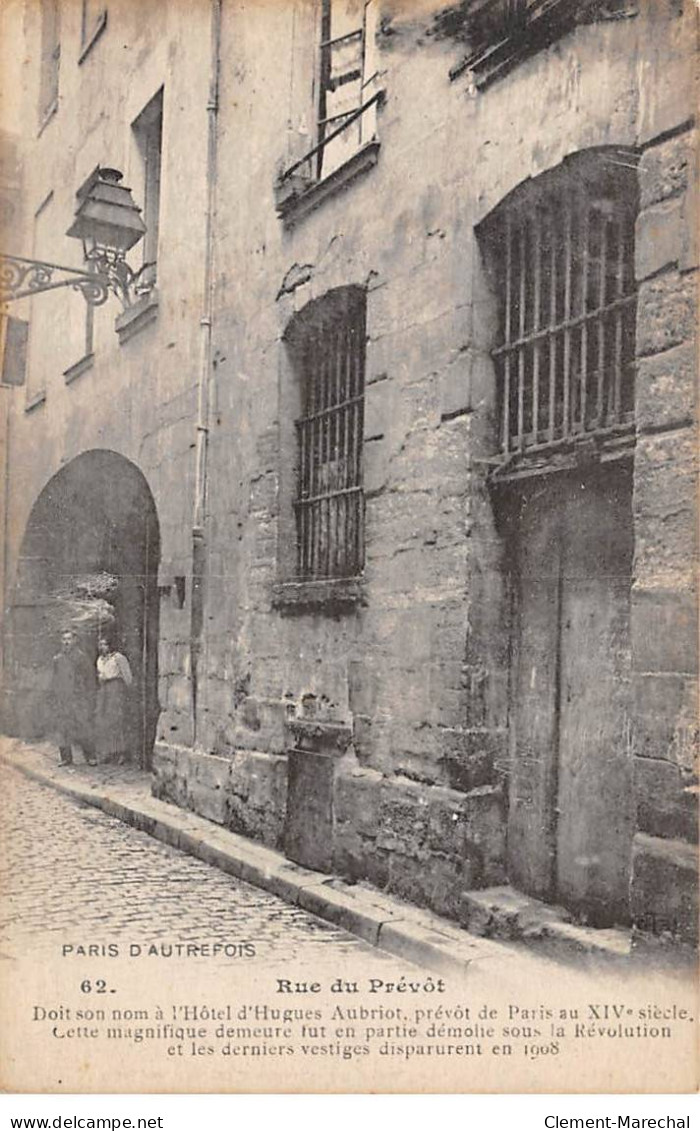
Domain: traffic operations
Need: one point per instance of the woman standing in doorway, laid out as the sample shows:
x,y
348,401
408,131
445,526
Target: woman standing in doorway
x,y
112,714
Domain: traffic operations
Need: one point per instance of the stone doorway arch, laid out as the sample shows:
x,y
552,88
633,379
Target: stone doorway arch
x,y
89,558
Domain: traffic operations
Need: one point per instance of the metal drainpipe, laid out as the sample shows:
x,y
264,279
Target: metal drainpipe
x,y
199,545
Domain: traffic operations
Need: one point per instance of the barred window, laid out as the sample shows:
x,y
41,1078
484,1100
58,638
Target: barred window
x,y
500,33
329,504
563,251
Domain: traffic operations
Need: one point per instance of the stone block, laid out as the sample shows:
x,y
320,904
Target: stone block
x,y
376,459
664,887
261,725
257,796
208,780
170,770
469,756
666,312
455,388
665,388
351,853
662,704
362,686
179,693
356,801
659,238
664,631
402,820
379,407
436,883
664,510
485,828
669,76
364,746
666,169
665,806
690,255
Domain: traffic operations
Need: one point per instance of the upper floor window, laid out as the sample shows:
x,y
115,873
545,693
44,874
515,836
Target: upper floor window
x,y
347,71
328,347
501,32
148,134
562,250
92,22
50,58
346,98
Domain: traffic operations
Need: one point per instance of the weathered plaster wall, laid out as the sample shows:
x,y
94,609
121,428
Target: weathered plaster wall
x,y
137,398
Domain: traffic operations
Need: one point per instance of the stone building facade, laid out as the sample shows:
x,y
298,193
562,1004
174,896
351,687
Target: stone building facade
x,y
405,427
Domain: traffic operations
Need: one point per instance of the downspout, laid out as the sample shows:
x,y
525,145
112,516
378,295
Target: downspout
x,y
199,545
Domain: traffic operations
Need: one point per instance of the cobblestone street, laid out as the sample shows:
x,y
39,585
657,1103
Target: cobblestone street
x,y
71,872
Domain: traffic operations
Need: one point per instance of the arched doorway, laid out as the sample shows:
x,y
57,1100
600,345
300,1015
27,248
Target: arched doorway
x,y
90,553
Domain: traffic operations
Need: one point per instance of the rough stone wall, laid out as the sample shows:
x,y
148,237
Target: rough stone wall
x,y
664,599
419,669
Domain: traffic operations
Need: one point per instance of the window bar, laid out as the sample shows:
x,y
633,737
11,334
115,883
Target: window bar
x,y
619,315
349,450
300,508
356,34
299,505
521,331
315,477
552,320
324,80
566,375
585,237
536,321
356,445
508,315
359,495
337,453
603,321
325,424
342,445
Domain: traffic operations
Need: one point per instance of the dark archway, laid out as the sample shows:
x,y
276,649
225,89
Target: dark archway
x,y
90,552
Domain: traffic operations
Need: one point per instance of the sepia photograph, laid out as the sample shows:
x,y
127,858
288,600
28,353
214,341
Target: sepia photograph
x,y
348,698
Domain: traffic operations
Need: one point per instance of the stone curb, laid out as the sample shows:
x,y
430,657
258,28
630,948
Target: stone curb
x,y
406,932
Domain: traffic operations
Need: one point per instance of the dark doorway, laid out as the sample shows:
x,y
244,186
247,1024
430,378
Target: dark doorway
x,y
571,815
91,549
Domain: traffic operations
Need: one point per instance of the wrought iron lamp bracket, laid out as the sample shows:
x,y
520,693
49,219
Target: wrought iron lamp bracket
x,y
108,273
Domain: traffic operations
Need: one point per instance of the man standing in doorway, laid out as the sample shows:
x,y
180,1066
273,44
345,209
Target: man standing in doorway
x,y
73,689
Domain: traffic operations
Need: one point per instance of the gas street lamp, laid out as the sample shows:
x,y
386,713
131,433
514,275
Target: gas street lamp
x,y
109,224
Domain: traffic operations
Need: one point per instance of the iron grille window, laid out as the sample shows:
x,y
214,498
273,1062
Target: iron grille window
x,y
501,32
564,255
329,507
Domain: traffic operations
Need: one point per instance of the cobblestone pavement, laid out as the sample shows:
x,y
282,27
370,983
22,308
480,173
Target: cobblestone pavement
x,y
71,871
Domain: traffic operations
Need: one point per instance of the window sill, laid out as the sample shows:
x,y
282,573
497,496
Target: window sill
x,y
296,199
135,318
74,371
35,401
583,451
329,595
93,37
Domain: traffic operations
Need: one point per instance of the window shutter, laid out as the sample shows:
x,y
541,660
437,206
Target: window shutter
x,y
14,335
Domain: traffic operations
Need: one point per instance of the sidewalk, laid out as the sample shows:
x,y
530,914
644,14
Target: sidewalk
x,y
387,922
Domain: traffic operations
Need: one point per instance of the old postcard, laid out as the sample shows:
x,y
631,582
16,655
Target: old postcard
x,y
349,574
